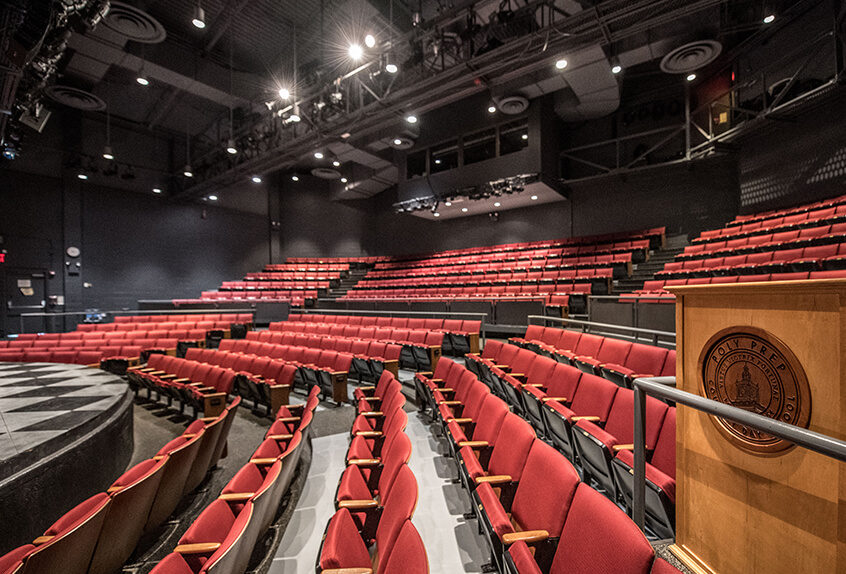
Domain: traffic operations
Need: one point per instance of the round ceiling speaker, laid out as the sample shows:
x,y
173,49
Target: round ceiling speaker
x,y
513,105
134,24
402,142
691,57
326,173
75,98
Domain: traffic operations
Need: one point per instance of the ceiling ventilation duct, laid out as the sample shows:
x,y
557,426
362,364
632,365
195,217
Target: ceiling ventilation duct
x,y
513,105
326,173
691,57
75,98
134,24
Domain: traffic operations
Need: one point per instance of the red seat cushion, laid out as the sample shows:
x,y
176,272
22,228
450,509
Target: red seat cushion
x,y
523,559
343,546
77,514
353,485
10,561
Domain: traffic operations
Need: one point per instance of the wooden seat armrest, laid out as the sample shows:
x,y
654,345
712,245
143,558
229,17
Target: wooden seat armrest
x,y
206,389
208,419
374,414
462,421
274,385
159,457
527,536
437,380
619,447
473,443
368,433
337,373
518,375
347,571
502,367
114,489
592,419
640,376
450,403
447,390
168,376
494,479
536,385
236,496
157,373
288,419
145,369
262,461
42,540
298,406
367,388
559,399
426,374
189,435
182,380
197,548
364,461
281,436
471,354
358,504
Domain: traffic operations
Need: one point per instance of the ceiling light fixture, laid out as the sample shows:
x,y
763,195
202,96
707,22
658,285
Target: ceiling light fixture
x,y
769,18
107,149
391,68
534,198
561,64
355,51
230,147
336,163
199,19
256,179
397,141
691,77
491,109
318,155
370,40
463,210
107,153
411,118
525,136
157,190
344,180
142,79
497,204
212,198
616,69
82,176
436,214
284,93
295,178
186,171
448,203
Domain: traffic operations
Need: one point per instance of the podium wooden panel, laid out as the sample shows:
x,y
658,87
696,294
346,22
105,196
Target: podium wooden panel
x,y
738,512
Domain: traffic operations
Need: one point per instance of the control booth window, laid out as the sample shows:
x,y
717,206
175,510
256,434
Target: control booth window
x,y
513,137
444,157
480,146
415,164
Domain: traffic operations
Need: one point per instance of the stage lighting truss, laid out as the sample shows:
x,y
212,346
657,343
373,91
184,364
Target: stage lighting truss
x,y
496,188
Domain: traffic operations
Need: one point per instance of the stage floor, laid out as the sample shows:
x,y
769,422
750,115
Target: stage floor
x,y
49,405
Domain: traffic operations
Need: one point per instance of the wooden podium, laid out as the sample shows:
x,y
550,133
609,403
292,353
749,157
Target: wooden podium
x,y
740,511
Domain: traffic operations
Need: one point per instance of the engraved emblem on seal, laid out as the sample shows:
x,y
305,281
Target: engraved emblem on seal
x,y
752,369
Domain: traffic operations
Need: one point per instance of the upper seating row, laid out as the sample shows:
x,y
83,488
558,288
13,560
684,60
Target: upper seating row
x,y
224,535
99,534
792,239
311,266
834,201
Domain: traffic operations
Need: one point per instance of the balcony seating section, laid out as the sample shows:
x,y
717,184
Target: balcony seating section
x,y
527,494
99,534
377,492
222,538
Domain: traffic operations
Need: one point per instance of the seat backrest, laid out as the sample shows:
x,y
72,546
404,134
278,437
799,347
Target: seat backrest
x,y
594,397
523,361
512,447
588,345
399,506
407,555
541,370
600,538
568,340
491,350
490,419
645,359
621,418
614,351
664,455
563,381
545,491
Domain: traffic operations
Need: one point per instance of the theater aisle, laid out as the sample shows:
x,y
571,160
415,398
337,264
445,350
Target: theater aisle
x,y
453,544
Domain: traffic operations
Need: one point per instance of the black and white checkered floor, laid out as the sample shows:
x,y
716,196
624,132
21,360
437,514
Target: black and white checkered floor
x,y
40,402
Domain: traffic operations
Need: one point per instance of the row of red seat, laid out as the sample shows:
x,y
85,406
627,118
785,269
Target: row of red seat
x,y
370,357
795,238
371,530
488,293
288,276
99,534
222,538
90,356
231,318
460,336
654,290
834,201
590,420
421,348
95,338
815,217
298,296
307,267
273,285
332,260
524,492
154,326
566,257
526,277
815,258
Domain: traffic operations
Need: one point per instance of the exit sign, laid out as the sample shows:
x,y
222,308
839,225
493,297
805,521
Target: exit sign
x,y
2,257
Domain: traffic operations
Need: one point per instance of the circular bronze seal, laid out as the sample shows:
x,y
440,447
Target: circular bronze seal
x,y
751,369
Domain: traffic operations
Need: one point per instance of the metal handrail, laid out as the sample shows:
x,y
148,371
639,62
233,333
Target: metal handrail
x,y
663,387
586,325
433,314
129,312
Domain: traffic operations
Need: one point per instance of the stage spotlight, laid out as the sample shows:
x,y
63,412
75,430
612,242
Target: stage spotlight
x,y
107,153
284,93
355,52
369,41
186,171
230,147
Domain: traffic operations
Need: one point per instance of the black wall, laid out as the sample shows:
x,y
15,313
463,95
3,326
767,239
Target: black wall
x,y
133,246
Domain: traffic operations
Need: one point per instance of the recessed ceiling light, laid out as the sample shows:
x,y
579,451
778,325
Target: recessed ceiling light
x,y
561,64
463,210
369,41
436,214
616,69
344,180
142,80
199,20
691,77
256,179
534,197
525,136
769,19
212,198
411,118
391,68
284,93
82,176
318,155
438,162
336,163
355,51
497,204
491,109
397,141
448,203
157,190
295,178
345,135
